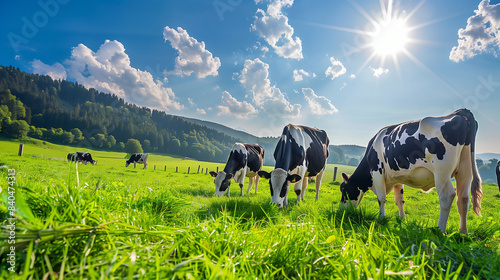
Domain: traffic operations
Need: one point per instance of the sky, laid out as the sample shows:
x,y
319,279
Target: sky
x,y
347,67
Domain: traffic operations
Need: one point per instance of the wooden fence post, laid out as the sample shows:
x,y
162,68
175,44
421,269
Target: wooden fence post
x,y
335,173
198,169
155,167
21,148
176,169
165,168
189,168
217,169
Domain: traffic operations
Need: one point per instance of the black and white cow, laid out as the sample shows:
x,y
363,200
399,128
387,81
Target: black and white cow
x,y
300,153
245,160
138,158
81,157
498,175
423,154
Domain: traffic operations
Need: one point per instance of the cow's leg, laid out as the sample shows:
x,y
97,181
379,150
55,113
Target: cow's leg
x,y
464,180
319,177
256,182
446,194
135,164
304,182
398,197
380,191
145,164
250,182
242,180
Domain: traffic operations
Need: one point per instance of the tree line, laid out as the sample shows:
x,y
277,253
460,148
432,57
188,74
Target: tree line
x,y
66,112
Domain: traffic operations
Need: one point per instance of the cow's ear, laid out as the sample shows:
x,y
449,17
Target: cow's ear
x,y
345,177
294,178
264,174
213,173
229,176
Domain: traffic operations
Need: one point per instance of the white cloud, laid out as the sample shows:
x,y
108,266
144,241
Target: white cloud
x,y
17,57
201,112
273,26
254,77
482,33
298,74
56,71
319,105
109,70
193,57
377,72
232,107
352,76
336,69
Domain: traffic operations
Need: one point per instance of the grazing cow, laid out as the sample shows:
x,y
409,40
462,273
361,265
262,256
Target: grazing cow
x,y
81,157
423,154
138,158
498,175
245,160
300,153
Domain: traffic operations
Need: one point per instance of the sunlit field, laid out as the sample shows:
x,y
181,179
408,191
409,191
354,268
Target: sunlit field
x,y
112,222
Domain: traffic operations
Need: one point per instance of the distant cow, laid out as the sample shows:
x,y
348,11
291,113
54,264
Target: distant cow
x,y
498,175
300,153
81,157
245,160
138,158
422,154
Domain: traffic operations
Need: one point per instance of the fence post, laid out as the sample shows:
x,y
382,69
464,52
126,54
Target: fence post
x,y
198,169
189,168
217,169
176,169
165,168
155,167
21,148
335,173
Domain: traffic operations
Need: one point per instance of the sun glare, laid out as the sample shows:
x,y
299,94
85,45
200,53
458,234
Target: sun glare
x,y
390,37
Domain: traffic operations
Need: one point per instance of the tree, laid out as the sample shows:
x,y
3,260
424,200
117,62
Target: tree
x,y
67,137
17,129
110,141
4,115
78,135
147,145
133,146
121,146
353,162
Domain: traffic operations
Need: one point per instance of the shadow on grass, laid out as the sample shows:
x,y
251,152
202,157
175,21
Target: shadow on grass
x,y
245,210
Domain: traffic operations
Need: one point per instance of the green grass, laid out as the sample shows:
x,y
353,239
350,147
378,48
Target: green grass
x,y
111,222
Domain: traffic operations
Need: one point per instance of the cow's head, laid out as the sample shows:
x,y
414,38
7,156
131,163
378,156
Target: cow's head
x,y
351,192
279,182
94,162
127,163
222,181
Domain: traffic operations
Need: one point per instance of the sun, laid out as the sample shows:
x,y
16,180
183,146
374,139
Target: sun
x,y
390,37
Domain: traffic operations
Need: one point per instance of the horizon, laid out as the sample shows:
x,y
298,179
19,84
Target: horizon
x,y
348,67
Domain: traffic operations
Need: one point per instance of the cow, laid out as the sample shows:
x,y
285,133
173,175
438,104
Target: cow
x,y
245,160
138,158
301,152
81,157
498,175
423,154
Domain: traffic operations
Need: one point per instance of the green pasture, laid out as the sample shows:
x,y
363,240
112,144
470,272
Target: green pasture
x,y
78,221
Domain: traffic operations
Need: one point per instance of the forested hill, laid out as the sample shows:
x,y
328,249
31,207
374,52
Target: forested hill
x,y
66,112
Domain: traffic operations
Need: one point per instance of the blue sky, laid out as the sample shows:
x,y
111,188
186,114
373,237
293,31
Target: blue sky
x,y
348,67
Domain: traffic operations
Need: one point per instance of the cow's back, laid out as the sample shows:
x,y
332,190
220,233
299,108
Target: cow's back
x,y
302,146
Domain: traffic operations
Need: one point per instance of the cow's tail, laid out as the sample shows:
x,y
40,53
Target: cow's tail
x,y
476,188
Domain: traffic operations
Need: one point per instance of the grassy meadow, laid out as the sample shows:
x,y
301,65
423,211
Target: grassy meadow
x,y
78,221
